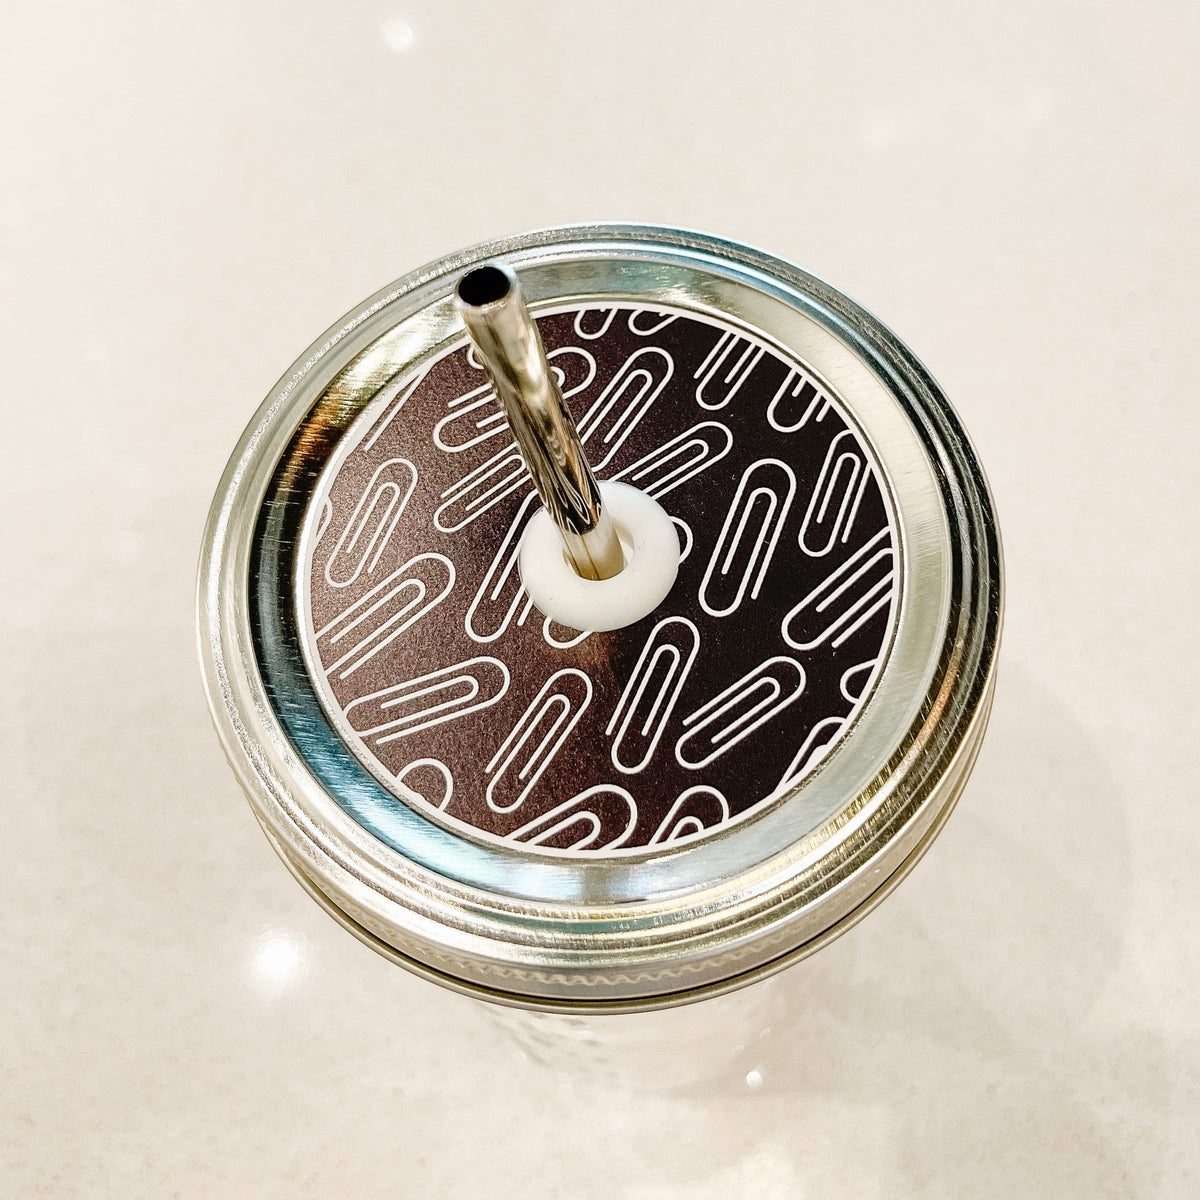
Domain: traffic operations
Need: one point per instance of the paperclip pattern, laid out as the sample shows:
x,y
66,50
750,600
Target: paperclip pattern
x,y
476,710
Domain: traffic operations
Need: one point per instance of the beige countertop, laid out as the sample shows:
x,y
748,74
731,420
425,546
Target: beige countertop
x,y
189,194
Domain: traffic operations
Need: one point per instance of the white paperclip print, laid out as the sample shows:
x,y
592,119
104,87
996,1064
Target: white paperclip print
x,y
431,699
559,643
585,322
739,710
841,484
548,721
744,356
500,597
437,767
461,408
491,423
776,482
855,679
624,402
600,830
686,540
814,748
482,489
664,319
386,611
372,522
500,593
797,386
673,463
323,521
665,662
403,394
698,809
846,599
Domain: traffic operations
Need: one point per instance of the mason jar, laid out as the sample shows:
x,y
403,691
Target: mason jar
x,y
618,839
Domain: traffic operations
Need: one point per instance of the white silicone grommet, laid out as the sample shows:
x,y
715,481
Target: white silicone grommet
x,y
651,548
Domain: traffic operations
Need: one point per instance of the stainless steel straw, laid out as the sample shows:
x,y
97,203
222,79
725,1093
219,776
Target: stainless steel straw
x,y
510,348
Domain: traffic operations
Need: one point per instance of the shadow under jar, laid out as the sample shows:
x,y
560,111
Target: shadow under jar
x,y
584,824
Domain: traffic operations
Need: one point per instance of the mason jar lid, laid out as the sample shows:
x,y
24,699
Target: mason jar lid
x,y
559,819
